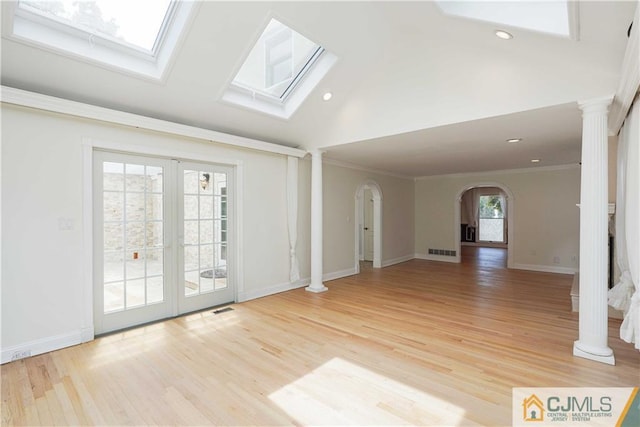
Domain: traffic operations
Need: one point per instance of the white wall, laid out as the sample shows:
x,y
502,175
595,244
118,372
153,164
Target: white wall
x,y
339,187
545,217
42,183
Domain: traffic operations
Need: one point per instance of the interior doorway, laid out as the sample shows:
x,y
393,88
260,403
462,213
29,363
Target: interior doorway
x,y
368,231
368,226
484,218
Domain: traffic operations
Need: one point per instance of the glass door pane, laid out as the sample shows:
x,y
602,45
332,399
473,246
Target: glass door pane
x,y
205,236
130,194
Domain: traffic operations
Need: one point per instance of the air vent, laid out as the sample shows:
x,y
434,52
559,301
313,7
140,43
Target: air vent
x,y
222,310
443,252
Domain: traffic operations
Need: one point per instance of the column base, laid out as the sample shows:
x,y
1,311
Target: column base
x,y
316,289
602,355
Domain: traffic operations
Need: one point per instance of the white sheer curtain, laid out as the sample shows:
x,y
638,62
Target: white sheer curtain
x,y
472,206
625,295
292,213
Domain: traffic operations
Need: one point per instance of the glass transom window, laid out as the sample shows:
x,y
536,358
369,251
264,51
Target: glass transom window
x,y
277,62
132,23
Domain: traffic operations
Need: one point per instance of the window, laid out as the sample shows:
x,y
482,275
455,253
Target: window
x,y
137,36
552,17
134,24
281,70
491,218
278,59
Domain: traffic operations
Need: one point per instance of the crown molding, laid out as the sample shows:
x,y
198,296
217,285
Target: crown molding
x,y
353,166
25,98
503,171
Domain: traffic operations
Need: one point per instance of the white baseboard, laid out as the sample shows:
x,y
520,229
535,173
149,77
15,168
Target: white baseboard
x,y
283,287
484,245
87,334
437,258
271,290
339,274
398,260
545,268
44,345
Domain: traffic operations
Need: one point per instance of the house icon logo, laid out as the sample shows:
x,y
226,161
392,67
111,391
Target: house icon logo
x,y
533,409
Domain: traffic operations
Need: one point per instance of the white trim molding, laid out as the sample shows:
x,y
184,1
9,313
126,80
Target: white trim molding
x,y
501,171
59,105
545,268
353,166
399,260
45,345
289,286
335,275
271,290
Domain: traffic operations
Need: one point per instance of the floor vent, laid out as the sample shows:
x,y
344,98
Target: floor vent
x,y
443,252
222,310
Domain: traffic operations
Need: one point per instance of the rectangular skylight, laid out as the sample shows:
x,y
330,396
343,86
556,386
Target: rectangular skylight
x,y
551,17
132,23
277,62
132,36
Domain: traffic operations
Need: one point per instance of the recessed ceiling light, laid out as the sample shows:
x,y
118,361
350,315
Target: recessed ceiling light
x,y
503,35
535,160
514,140
327,96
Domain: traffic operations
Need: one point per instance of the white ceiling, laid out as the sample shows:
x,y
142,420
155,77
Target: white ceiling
x,y
551,135
416,92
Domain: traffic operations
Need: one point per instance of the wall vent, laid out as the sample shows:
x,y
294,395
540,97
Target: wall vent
x,y
443,252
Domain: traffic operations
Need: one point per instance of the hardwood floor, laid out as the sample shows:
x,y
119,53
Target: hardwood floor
x,y
420,343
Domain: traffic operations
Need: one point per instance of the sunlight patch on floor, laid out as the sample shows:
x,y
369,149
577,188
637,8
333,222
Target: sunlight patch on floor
x,y
342,393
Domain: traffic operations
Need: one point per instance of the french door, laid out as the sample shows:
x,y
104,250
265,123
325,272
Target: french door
x,y
161,238
204,236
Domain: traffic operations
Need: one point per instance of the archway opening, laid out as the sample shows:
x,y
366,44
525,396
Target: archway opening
x,y
484,219
368,224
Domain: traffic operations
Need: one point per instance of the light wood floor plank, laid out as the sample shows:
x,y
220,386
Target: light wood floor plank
x,y
419,343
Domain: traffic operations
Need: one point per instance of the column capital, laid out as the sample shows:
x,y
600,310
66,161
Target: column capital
x,y
596,105
316,152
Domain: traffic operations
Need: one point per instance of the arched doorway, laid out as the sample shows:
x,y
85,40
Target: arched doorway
x,y
509,206
368,215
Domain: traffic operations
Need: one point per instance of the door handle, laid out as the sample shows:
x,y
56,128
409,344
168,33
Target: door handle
x,y
366,228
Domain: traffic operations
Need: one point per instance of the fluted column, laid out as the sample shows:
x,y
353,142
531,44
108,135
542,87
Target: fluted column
x,y
593,315
316,223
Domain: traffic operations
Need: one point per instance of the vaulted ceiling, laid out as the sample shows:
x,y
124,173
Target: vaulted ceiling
x,y
415,92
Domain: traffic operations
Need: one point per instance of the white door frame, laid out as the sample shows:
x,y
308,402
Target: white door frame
x,y
203,155
376,192
510,215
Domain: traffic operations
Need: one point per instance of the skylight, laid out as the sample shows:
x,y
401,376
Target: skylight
x,y
133,23
277,61
137,36
280,71
551,17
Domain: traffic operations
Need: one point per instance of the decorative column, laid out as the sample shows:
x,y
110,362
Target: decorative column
x,y
316,223
593,315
